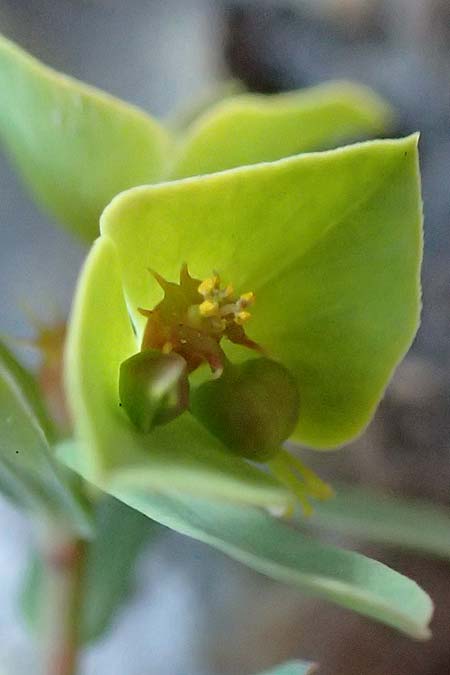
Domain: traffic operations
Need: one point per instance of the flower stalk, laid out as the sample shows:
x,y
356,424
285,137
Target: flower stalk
x,y
63,559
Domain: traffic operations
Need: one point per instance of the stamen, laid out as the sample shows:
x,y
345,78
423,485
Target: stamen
x,y
242,317
247,299
208,285
208,308
317,487
194,316
282,472
300,479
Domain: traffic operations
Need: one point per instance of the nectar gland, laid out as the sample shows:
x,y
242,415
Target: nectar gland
x,y
194,316
252,407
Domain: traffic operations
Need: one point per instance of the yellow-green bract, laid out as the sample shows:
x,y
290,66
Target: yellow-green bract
x,y
331,244
77,147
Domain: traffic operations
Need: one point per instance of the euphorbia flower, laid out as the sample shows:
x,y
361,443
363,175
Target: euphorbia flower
x,y
330,245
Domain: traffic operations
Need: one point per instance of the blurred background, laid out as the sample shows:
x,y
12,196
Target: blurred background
x,y
194,612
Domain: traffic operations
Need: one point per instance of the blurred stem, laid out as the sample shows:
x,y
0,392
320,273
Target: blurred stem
x,y
61,600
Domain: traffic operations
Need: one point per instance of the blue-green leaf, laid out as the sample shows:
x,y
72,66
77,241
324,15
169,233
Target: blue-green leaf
x,y
274,548
374,516
29,475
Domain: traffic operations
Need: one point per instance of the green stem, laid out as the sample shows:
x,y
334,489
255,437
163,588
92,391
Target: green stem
x,y
61,601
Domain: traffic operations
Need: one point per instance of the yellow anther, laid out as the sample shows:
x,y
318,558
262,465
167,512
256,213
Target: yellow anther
x,y
208,308
208,285
242,317
193,318
247,299
228,292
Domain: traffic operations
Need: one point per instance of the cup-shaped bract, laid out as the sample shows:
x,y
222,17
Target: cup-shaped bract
x,y
76,146
331,245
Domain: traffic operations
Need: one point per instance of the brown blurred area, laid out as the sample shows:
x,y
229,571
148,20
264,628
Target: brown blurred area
x,y
196,612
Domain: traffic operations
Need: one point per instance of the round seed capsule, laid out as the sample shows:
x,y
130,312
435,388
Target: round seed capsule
x,y
153,388
252,408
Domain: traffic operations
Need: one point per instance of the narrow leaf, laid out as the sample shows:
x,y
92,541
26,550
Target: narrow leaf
x,y
273,548
276,549
378,517
30,475
28,385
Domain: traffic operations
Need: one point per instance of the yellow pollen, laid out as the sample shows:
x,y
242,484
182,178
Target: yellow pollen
x,y
208,285
228,292
242,317
193,318
247,299
208,308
